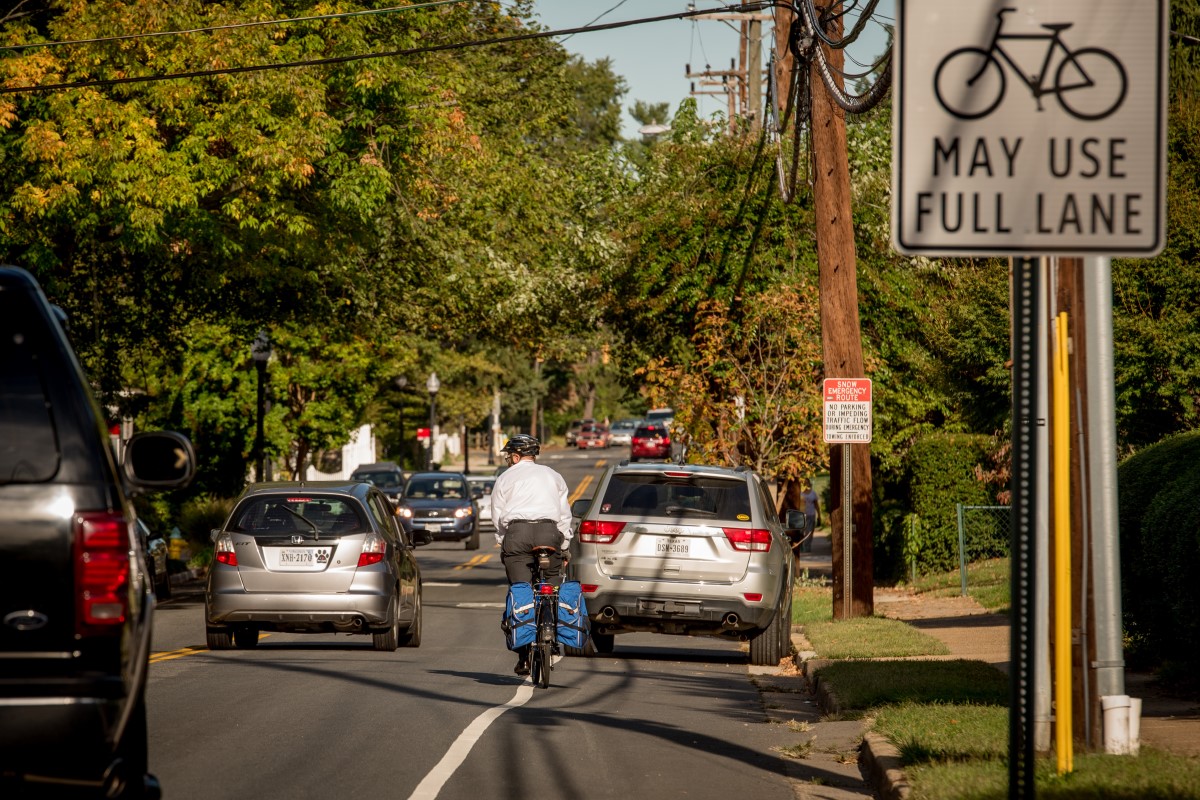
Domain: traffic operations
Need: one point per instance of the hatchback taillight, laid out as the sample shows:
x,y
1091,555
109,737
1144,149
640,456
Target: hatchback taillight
x,y
223,552
757,540
102,553
373,550
596,531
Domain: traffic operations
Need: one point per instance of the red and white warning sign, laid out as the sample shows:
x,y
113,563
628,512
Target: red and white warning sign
x,y
847,410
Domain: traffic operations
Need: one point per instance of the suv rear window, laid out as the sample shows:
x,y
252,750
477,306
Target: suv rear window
x,y
299,513
28,440
435,488
651,495
646,431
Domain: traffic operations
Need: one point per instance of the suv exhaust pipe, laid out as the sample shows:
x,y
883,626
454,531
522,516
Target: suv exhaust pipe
x,y
730,621
608,613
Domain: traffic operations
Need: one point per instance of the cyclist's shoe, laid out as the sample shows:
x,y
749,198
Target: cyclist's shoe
x,y
522,667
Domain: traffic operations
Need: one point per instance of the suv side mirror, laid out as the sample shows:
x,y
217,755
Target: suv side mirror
x,y
793,519
580,507
159,460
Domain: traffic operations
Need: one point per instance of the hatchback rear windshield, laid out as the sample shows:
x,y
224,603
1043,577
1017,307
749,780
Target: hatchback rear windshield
x,y
299,513
28,440
660,496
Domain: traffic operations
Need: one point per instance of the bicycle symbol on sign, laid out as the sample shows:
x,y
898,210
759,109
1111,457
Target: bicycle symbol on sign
x,y
1089,83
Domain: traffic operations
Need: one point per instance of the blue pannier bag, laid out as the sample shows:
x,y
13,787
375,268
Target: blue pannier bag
x,y
518,620
572,615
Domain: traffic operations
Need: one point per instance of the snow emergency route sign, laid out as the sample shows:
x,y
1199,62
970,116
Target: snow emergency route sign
x,y
847,410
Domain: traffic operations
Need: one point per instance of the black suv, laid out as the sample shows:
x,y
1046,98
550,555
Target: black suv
x,y
76,596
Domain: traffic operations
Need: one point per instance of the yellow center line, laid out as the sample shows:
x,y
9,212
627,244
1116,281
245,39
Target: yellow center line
x,y
190,650
601,463
580,489
476,561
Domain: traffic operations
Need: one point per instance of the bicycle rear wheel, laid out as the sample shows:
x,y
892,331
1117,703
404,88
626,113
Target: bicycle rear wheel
x,y
546,660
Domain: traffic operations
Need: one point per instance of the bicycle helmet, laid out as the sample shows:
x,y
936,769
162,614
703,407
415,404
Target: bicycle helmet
x,y
523,445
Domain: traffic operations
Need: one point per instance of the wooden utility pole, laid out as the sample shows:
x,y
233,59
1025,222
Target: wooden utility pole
x,y
840,333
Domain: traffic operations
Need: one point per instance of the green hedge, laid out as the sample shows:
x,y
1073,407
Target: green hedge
x,y
943,468
1160,551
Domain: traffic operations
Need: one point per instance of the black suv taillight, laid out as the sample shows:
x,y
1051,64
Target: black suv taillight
x,y
102,543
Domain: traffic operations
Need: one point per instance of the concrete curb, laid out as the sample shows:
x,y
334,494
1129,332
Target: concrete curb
x,y
879,759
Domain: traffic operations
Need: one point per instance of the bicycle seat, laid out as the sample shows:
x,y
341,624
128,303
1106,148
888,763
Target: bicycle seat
x,y
544,550
1057,26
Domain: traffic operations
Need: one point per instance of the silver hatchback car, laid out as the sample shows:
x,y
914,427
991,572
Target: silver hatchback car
x,y
313,557
687,550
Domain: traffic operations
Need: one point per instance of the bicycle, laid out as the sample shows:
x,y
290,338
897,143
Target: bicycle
x,y
1088,68
545,599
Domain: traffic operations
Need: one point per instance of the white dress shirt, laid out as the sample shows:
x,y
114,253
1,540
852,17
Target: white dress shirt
x,y
528,490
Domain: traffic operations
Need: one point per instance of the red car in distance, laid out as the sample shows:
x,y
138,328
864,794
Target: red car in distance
x,y
650,440
592,435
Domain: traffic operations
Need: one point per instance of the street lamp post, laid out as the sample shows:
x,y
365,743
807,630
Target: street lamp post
x,y
260,351
432,385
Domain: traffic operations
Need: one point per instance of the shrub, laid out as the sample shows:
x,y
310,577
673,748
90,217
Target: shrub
x,y
1160,550
944,469
200,515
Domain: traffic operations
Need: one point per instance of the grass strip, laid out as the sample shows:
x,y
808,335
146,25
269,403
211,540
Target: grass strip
x,y
866,685
1152,775
871,637
987,582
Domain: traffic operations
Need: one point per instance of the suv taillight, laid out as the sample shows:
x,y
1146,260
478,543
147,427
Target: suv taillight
x,y
102,553
757,540
373,550
223,552
595,531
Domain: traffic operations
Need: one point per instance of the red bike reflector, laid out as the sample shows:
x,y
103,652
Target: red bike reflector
x,y
589,588
226,557
102,556
752,597
600,531
757,540
545,588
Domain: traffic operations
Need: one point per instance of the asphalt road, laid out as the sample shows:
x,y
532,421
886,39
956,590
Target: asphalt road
x,y
325,716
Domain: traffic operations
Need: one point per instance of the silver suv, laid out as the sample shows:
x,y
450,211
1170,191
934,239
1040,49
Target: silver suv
x,y
686,550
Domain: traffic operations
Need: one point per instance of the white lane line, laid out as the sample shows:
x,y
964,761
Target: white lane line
x,y
432,784
440,583
479,605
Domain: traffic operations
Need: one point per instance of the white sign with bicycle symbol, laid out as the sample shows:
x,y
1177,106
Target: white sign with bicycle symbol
x,y
1029,128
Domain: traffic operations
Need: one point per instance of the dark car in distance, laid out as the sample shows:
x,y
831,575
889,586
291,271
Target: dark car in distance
x,y
386,475
76,598
442,504
651,440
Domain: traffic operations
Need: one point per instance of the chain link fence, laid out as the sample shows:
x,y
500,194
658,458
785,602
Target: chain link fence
x,y
983,532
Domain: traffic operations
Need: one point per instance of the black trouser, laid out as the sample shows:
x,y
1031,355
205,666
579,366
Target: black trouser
x,y
516,551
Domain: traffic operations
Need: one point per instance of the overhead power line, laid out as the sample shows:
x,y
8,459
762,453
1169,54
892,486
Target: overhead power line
x,y
408,51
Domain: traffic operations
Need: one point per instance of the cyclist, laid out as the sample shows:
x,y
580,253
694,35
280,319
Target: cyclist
x,y
529,509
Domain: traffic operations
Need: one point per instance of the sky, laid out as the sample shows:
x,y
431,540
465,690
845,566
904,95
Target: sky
x,y
652,58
